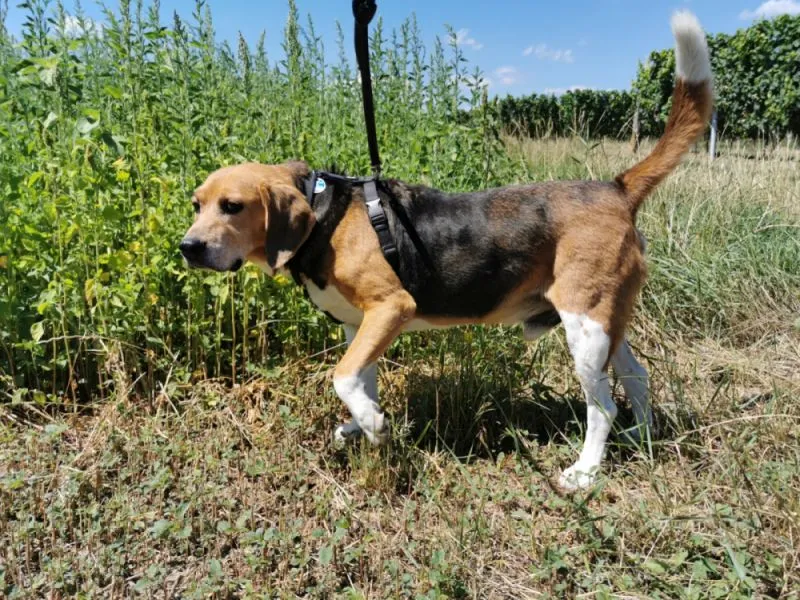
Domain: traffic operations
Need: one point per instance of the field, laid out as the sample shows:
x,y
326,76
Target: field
x,y
166,433
238,491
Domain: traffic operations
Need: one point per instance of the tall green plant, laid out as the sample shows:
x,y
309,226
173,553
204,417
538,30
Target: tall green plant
x,y
106,128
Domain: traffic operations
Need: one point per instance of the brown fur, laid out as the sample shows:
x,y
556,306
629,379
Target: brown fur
x,y
692,104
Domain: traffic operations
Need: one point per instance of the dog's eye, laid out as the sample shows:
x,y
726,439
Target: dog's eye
x,y
231,208
196,206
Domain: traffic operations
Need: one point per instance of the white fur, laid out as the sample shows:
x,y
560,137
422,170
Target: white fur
x,y
691,51
634,381
360,394
355,391
332,302
589,345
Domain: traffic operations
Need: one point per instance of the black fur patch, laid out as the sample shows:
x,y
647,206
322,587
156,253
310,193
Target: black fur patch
x,y
549,318
461,254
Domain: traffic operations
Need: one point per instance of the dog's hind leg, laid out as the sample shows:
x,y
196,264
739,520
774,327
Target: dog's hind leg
x,y
633,377
594,294
590,345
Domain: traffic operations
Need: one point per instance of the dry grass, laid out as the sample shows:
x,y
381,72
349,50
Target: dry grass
x,y
212,491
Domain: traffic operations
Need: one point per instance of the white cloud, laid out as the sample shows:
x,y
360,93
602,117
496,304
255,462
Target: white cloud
x,y
72,26
772,8
544,52
463,39
507,75
563,90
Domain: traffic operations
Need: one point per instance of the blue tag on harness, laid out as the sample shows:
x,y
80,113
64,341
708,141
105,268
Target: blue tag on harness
x,y
320,186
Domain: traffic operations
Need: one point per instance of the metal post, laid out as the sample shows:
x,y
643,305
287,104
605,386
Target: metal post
x,y
712,143
636,131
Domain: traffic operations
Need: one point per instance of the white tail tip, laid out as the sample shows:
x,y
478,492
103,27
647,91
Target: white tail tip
x,y
691,51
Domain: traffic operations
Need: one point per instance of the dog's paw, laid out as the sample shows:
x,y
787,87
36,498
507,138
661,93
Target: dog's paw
x,y
379,433
578,477
346,432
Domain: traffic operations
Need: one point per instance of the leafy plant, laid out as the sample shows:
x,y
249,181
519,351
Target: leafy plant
x,y
106,129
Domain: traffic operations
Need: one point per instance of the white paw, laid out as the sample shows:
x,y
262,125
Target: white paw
x,y
346,432
378,431
578,477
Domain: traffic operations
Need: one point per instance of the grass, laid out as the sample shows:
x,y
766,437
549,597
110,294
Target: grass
x,y
207,490
166,433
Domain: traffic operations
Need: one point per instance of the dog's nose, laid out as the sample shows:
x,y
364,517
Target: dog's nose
x,y
192,249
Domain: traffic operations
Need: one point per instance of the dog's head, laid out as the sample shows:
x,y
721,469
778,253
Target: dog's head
x,y
248,212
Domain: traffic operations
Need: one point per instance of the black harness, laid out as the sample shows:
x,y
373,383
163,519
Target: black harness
x,y
375,208
319,188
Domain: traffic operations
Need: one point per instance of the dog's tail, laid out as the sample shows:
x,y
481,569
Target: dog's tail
x,y
692,103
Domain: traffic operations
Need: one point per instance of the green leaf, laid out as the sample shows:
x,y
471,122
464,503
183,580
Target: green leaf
x,y
654,566
325,555
741,572
37,331
48,76
184,532
55,429
85,126
113,143
223,527
160,527
215,568
223,294
34,177
92,114
49,120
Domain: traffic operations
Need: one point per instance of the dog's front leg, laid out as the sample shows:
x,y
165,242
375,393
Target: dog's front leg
x,y
355,378
351,430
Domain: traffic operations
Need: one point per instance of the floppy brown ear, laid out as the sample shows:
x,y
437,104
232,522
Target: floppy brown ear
x,y
289,223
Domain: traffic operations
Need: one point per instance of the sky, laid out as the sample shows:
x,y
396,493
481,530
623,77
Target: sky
x,y
522,46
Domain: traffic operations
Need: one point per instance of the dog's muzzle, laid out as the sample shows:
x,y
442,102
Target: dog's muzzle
x,y
196,253
193,251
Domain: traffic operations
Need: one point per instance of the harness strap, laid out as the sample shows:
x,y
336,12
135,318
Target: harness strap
x,y
380,224
310,184
375,210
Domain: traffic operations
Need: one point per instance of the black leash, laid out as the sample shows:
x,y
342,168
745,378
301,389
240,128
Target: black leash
x,y
363,11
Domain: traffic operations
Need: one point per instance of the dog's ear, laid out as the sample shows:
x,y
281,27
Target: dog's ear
x,y
289,220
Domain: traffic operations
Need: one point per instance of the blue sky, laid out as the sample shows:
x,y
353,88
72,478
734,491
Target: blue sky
x,y
522,46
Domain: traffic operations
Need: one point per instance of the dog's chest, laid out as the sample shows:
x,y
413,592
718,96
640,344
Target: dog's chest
x,y
333,302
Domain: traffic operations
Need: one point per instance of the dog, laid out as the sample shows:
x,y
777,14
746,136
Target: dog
x,y
535,255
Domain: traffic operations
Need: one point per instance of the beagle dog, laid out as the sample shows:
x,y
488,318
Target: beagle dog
x,y
535,254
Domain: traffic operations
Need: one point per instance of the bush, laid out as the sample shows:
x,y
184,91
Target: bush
x,y
105,133
757,81
589,113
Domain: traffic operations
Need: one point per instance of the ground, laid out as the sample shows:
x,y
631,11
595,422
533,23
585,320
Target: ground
x,y
213,490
